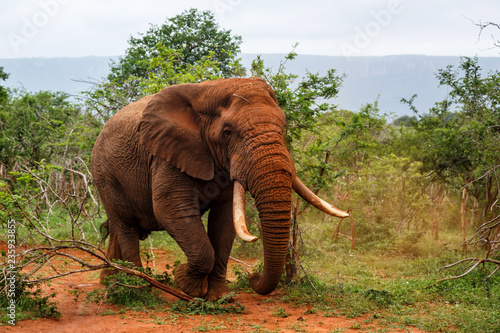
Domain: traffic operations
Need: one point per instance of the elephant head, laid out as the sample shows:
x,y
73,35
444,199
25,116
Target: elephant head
x,y
233,126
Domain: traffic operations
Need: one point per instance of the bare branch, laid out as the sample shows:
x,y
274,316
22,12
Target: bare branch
x,y
484,175
483,26
240,262
72,198
458,276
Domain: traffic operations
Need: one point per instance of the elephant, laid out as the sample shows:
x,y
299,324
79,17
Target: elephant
x,y
162,162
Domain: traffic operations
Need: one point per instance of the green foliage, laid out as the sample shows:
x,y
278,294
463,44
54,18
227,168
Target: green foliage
x,y
381,297
21,198
132,291
37,208
38,126
241,275
163,70
302,101
405,120
196,33
339,145
397,291
187,48
128,291
29,302
200,306
10,202
281,313
165,277
388,201
242,282
308,290
4,94
461,134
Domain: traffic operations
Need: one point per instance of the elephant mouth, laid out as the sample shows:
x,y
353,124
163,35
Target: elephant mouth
x,y
298,186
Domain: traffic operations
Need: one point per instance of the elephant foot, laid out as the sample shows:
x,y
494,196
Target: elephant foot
x,y
192,286
216,289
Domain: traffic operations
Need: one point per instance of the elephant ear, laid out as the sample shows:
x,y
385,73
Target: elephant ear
x,y
170,128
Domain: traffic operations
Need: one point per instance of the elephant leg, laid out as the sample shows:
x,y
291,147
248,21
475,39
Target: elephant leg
x,y
113,252
177,211
221,233
123,245
190,234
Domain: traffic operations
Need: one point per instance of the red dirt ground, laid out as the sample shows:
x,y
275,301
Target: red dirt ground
x,y
80,316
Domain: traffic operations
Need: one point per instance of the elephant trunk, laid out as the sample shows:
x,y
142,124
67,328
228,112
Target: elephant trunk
x,y
272,190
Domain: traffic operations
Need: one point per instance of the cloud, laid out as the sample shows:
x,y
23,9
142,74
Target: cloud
x,y
77,28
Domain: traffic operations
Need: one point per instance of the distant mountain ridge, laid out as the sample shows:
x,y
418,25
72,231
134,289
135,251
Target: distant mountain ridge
x,y
56,74
386,79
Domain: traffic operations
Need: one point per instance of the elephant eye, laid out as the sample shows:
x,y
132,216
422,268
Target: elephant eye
x,y
227,134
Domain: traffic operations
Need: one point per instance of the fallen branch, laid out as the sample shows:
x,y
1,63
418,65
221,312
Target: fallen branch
x,y
476,263
240,262
44,257
153,282
44,246
482,237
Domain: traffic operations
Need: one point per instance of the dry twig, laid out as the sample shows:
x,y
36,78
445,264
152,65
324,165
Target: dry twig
x,y
482,237
37,247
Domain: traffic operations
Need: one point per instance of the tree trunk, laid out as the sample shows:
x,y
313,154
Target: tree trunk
x,y
437,197
292,256
353,239
463,213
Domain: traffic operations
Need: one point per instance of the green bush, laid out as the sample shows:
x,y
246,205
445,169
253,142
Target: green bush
x,y
29,302
128,291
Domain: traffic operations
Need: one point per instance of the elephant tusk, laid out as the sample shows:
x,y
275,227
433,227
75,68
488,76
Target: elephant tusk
x,y
240,225
315,201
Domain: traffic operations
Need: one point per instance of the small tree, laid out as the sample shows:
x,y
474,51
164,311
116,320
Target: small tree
x,y
461,140
196,33
187,48
163,71
462,136
36,126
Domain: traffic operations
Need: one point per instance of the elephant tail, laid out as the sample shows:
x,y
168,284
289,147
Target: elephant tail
x,y
104,230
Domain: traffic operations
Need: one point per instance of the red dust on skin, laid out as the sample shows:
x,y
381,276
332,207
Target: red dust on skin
x,y
80,316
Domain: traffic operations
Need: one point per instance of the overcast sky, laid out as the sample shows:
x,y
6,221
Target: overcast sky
x,y
72,28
